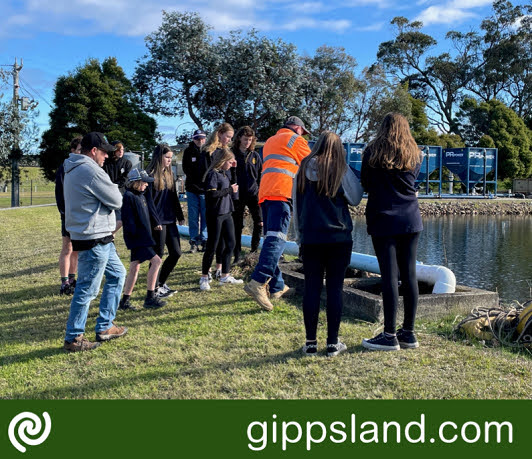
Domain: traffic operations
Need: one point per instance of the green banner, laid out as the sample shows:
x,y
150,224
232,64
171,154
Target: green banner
x,y
253,428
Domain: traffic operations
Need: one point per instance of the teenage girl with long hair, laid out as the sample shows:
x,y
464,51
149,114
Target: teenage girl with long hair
x,y
220,227
248,173
219,140
164,194
323,188
390,166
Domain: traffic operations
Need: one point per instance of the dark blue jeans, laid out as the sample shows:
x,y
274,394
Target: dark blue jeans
x,y
276,218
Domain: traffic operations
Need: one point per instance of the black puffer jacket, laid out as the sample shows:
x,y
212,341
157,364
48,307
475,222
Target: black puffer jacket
x,y
193,169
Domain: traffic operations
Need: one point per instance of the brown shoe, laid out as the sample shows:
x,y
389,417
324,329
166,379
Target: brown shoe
x,y
260,293
111,333
286,292
80,343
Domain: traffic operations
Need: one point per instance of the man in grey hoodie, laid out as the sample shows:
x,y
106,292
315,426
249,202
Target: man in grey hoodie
x,y
91,200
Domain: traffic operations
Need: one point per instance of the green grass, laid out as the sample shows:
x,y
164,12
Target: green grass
x,y
213,345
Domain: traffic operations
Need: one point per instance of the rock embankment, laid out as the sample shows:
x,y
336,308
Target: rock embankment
x,y
434,208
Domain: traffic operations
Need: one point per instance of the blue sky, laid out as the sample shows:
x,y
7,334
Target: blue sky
x,y
55,36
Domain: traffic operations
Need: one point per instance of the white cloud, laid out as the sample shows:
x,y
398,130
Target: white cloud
x,y
310,23
371,27
451,12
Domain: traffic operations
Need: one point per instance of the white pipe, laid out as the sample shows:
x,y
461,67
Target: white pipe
x,y
441,277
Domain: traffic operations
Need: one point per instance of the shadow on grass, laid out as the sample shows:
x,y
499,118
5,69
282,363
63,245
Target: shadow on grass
x,y
29,271
29,356
80,390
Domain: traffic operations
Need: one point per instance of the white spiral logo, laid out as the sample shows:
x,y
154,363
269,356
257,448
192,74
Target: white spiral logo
x,y
31,424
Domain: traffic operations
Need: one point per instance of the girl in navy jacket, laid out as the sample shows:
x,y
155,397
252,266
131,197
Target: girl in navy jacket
x,y
219,203
390,165
164,194
323,188
139,217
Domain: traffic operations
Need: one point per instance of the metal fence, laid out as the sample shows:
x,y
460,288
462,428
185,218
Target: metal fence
x,y
31,192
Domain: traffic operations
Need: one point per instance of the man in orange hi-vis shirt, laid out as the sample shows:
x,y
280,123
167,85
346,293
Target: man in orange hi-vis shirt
x,y
282,154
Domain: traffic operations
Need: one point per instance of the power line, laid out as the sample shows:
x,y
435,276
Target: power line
x,y
39,96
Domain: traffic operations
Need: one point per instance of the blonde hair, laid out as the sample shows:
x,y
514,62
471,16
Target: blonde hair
x,y
393,147
330,158
213,141
219,157
163,175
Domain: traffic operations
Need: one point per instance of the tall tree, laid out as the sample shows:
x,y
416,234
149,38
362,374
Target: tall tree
x,y
508,132
95,97
330,88
437,80
240,78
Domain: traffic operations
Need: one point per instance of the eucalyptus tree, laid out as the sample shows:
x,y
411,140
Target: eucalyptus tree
x,y
437,80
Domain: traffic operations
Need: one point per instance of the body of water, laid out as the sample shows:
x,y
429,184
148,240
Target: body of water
x,y
488,252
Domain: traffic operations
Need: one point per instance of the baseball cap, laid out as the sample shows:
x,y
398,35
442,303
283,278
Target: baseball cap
x,y
135,175
296,121
199,134
98,140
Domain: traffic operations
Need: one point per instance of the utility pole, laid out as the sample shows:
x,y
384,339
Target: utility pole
x,y
15,152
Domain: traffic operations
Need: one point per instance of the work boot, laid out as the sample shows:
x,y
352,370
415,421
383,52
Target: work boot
x,y
80,343
111,333
260,293
286,292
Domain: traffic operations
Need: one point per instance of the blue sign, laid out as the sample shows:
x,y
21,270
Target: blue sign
x,y
468,163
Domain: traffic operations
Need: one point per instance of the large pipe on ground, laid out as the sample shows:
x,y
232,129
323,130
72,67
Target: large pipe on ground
x,y
440,277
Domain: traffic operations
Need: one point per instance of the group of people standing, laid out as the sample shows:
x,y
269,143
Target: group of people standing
x,y
316,186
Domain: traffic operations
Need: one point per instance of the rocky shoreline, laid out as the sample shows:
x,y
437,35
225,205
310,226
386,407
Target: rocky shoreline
x,y
435,208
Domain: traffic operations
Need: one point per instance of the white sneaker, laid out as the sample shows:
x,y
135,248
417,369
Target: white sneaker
x,y
230,280
204,284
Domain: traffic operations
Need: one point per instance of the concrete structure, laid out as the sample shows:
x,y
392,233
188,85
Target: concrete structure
x,y
362,299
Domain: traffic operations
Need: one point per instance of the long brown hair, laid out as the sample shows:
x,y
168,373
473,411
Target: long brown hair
x,y
213,141
219,157
246,131
330,158
393,147
163,175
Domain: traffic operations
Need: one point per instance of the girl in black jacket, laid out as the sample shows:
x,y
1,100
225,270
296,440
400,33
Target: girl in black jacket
x,y
164,194
323,188
139,217
219,203
248,173
390,165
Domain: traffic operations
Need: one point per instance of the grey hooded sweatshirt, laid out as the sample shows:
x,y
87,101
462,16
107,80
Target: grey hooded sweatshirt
x,y
90,199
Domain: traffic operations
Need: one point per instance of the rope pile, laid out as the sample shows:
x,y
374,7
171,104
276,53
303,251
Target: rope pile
x,y
510,327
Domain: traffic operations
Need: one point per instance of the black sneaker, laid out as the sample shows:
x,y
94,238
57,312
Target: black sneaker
x,y
164,291
381,343
154,303
125,305
65,289
407,339
335,349
310,350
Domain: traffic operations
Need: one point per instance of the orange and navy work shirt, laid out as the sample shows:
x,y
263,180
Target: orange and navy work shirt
x,y
282,154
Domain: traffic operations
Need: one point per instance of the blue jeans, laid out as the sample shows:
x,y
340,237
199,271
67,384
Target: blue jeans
x,y
276,219
196,213
92,265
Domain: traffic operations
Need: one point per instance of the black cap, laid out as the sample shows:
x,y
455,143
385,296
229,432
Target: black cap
x,y
135,175
198,134
98,140
114,143
296,121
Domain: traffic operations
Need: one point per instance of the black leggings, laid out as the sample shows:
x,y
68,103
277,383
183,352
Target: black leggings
x,y
397,260
168,236
219,228
331,260
252,202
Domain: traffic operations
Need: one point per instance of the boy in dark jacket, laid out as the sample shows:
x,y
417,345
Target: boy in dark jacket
x,y
139,217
